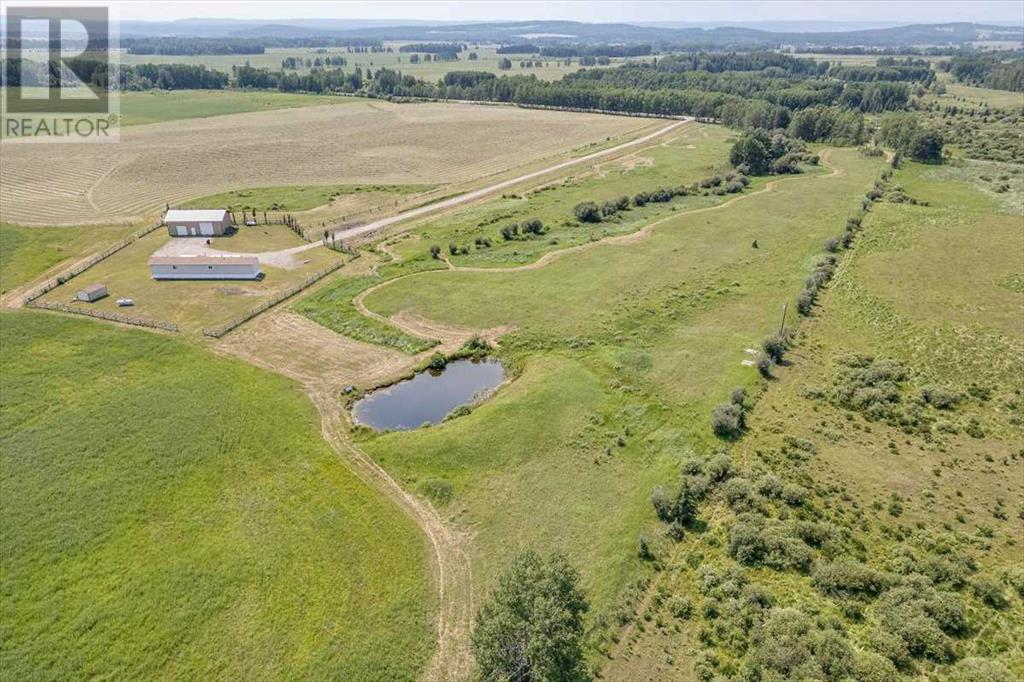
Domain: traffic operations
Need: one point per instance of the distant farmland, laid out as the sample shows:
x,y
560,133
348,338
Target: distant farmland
x,y
364,142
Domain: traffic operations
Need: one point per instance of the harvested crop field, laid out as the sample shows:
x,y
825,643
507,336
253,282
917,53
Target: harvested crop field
x,y
360,142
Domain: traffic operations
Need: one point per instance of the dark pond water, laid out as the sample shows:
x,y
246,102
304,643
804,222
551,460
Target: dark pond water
x,y
428,396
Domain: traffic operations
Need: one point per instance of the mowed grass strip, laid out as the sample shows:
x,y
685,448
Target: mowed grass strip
x,y
332,307
170,515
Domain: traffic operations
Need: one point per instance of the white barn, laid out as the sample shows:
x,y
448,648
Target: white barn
x,y
205,267
197,223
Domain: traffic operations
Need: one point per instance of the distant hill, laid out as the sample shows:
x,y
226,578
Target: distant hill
x,y
767,35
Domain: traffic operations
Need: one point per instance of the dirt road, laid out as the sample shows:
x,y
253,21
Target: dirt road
x,y
377,225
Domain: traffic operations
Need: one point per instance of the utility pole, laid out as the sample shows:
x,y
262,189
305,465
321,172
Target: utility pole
x,y
782,327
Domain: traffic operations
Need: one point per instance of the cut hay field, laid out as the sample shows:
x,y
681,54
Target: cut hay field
x,y
362,142
168,514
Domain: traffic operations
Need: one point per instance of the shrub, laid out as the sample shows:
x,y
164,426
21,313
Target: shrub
x,y
453,249
850,579
980,670
769,486
891,646
738,396
435,251
609,208
718,468
662,504
680,607
533,226
940,398
734,187
775,347
588,212
727,420
691,493
763,364
758,542
622,203
738,493
923,617
805,302
437,361
871,667
794,495
832,245
990,592
509,232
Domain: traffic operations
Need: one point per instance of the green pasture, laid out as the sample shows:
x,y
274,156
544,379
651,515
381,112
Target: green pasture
x,y
168,514
28,252
294,198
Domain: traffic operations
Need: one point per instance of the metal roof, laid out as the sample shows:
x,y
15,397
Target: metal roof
x,y
204,260
206,215
94,288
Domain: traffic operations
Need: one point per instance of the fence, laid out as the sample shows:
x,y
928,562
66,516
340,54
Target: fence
x,y
82,267
217,332
103,315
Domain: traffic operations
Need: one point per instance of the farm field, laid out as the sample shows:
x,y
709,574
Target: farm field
x,y
634,343
238,547
192,305
371,61
369,142
28,252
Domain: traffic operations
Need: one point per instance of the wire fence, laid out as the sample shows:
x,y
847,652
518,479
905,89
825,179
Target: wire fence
x,y
104,315
70,274
217,332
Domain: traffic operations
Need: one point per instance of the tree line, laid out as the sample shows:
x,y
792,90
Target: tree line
x,y
996,70
99,73
175,45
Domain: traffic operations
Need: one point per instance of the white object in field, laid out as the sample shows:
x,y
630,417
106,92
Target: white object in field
x,y
125,302
93,292
250,222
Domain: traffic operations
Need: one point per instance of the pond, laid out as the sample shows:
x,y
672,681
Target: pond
x,y
429,396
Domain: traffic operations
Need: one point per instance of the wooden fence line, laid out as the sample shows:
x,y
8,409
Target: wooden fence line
x,y
103,315
67,275
217,332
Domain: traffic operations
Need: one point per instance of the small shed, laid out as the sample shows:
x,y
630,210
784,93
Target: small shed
x,y
197,222
93,292
205,267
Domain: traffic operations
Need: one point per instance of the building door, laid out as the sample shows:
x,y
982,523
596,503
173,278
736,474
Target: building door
x,y
206,229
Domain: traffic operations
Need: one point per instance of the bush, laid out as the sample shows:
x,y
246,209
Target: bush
x,y
775,347
940,398
794,495
756,541
680,608
832,245
738,396
805,301
437,361
453,249
850,579
510,232
891,646
763,364
980,670
691,493
738,493
923,617
588,212
769,486
727,420
871,667
990,592
662,504
718,468
533,226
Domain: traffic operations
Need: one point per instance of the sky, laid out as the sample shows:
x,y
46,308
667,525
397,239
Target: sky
x,y
897,11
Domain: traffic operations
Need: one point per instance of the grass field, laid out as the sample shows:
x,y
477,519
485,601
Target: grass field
x,y
27,252
192,304
487,61
244,549
950,496
362,142
624,351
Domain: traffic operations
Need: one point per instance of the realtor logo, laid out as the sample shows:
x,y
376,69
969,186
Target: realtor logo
x,y
60,74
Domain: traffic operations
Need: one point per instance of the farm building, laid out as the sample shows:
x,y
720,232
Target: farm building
x,y
205,267
93,292
197,223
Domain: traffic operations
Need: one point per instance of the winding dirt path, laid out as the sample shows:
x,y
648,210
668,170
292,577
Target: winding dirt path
x,y
618,240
